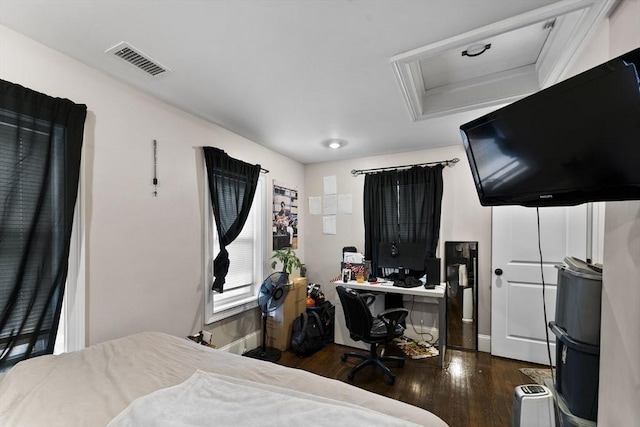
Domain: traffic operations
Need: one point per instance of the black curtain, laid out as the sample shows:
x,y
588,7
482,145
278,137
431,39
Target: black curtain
x,y
380,213
40,149
232,186
402,206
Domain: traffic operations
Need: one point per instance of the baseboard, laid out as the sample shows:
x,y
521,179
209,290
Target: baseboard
x,y
248,342
484,343
252,341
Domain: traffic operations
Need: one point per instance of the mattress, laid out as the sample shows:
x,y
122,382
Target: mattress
x,y
116,379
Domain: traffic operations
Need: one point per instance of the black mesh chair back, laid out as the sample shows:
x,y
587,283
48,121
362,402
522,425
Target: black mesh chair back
x,y
357,315
363,326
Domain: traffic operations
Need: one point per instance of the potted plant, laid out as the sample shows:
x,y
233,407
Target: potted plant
x,y
288,258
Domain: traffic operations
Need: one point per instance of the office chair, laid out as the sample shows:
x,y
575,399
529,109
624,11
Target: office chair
x,y
364,327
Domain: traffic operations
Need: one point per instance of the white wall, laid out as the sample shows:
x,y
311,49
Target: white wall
x,y
463,218
619,392
143,253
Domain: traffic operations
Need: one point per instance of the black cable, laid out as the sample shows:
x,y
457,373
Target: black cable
x,y
544,303
413,325
546,327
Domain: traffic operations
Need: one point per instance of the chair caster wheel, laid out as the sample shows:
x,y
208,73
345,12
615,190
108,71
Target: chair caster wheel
x,y
400,363
343,357
390,380
351,375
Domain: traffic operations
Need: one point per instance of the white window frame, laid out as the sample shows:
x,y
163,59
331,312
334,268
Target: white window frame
x,y
71,330
73,316
221,306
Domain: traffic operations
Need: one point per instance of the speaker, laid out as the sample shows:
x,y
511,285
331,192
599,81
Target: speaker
x,y
433,271
533,406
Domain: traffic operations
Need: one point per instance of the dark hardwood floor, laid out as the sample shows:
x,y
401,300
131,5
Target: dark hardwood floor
x,y
474,389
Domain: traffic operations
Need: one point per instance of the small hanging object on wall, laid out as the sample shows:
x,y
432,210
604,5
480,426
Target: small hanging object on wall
x,y
155,168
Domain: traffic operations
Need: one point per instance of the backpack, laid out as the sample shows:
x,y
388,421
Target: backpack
x,y
308,334
327,315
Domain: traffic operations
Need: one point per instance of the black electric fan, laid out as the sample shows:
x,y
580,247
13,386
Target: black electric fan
x,y
272,293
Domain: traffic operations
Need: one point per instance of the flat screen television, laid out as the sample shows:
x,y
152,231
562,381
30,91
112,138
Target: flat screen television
x,y
574,142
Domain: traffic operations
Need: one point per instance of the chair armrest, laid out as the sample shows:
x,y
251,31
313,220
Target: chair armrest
x,y
391,318
368,297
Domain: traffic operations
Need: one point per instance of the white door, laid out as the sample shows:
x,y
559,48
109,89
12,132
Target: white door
x,y
518,329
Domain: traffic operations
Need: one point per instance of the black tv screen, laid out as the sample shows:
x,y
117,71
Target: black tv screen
x,y
577,141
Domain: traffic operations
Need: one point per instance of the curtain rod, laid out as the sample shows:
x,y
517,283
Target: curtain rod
x,y
451,163
263,170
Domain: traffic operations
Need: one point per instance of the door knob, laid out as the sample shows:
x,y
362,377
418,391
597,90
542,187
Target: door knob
x,y
498,272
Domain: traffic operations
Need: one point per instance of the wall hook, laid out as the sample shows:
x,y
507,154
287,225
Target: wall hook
x,y
155,168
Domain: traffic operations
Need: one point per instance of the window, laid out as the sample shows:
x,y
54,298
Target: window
x,y
40,147
21,183
70,335
402,206
247,255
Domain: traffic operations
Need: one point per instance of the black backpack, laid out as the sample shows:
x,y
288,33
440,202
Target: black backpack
x,y
327,315
308,334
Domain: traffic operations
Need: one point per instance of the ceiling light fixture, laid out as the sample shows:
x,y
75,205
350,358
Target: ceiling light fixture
x,y
334,143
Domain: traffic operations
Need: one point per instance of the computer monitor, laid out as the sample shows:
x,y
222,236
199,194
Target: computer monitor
x,y
403,256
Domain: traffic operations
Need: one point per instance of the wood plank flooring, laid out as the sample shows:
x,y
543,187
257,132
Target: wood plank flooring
x,y
474,389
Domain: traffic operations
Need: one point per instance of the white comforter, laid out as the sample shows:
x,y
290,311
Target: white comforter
x,y
211,399
90,387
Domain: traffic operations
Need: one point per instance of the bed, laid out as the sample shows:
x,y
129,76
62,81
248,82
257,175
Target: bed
x,y
154,379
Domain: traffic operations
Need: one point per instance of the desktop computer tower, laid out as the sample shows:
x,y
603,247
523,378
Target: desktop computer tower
x,y
533,406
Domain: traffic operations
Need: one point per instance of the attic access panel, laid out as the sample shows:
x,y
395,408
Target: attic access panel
x,y
520,56
513,50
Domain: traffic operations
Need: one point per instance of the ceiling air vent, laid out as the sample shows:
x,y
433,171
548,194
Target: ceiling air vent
x,y
135,57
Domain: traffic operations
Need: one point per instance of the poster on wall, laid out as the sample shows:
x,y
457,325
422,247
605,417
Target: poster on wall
x,y
285,216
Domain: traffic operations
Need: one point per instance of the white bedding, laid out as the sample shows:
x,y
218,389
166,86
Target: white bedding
x,y
90,387
205,397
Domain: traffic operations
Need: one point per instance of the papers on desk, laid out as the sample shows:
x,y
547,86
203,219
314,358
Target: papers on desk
x,y
353,258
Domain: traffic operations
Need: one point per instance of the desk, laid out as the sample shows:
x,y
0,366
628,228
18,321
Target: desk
x,y
435,296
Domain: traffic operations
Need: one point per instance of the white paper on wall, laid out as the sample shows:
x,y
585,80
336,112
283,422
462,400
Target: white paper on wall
x,y
330,205
329,184
329,224
315,205
345,204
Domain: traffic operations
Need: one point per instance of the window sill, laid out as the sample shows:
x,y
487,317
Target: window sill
x,y
237,308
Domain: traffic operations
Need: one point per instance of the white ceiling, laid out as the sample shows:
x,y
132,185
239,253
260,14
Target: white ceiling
x,y
285,74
